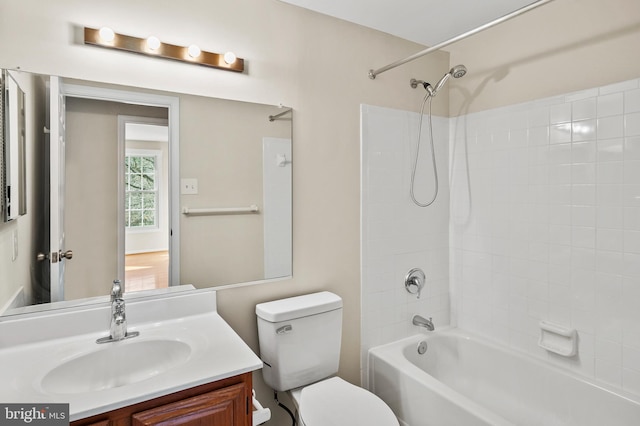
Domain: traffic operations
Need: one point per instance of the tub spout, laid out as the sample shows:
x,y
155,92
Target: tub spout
x,y
423,322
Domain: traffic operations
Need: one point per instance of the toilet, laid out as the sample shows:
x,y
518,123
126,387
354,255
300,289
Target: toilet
x,y
300,348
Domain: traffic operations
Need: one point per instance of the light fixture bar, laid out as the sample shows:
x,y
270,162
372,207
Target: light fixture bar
x,y
190,54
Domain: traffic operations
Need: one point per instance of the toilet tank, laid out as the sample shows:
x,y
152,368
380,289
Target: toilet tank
x,y
300,339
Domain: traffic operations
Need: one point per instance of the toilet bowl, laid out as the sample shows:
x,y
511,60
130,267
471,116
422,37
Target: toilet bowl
x,y
336,402
300,341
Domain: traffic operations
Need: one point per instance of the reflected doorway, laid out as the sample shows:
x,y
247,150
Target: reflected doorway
x,y
145,187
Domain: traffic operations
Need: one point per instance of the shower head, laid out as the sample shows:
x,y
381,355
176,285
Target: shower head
x,y
457,72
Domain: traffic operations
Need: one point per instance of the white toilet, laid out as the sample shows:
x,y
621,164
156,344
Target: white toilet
x,y
300,347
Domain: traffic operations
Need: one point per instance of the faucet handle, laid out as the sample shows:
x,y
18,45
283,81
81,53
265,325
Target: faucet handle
x,y
116,290
414,281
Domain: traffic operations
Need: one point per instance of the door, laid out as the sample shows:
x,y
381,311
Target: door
x,y
57,253
223,407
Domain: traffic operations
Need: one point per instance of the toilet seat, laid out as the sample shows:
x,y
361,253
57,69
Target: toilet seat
x,y
336,402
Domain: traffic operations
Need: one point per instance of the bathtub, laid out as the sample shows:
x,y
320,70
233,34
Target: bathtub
x,y
463,380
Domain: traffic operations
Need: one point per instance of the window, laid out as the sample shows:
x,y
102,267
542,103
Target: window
x,y
141,190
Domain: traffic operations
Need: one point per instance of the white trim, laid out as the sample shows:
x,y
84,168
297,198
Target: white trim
x,y
172,103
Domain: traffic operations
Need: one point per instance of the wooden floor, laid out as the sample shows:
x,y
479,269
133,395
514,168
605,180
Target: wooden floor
x,y
146,271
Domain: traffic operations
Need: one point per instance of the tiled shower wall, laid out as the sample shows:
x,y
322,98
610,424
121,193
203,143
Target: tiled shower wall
x,y
397,235
545,225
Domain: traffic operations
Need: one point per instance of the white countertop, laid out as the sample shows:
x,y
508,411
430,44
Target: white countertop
x,y
32,346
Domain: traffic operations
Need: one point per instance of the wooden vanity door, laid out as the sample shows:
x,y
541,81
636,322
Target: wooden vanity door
x,y
222,407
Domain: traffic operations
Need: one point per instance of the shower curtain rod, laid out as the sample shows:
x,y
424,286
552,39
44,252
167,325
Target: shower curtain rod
x,y
374,73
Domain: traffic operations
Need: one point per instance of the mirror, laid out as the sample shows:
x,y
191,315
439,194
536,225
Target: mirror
x,y
12,134
156,188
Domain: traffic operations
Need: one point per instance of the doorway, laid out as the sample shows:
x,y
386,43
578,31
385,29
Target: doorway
x,y
145,186
95,183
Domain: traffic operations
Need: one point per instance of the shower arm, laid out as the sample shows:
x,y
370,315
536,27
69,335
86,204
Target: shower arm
x,y
374,73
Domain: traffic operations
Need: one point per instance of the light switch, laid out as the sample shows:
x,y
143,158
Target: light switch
x,y
188,186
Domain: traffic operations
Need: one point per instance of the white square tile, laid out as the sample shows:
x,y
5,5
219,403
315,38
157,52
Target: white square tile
x,y
583,215
584,173
560,113
632,265
584,130
610,127
610,172
538,116
632,241
560,153
609,372
611,150
609,195
632,101
609,239
583,236
631,358
632,219
611,104
609,262
631,195
583,194
632,172
632,124
584,109
561,133
538,135
583,152
632,148
610,217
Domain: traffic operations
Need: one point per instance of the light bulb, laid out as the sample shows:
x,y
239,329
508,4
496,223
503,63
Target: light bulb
x,y
153,43
194,51
229,58
106,34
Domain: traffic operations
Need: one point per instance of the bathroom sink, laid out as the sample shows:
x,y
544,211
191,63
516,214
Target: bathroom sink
x,y
53,357
114,365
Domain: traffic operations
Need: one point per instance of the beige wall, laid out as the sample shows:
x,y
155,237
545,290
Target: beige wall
x,y
221,146
316,64
561,47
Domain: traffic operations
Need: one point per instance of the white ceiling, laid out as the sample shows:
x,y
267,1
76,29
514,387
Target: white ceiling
x,y
427,22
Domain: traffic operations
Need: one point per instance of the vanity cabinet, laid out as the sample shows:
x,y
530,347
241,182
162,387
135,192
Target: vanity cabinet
x,y
223,403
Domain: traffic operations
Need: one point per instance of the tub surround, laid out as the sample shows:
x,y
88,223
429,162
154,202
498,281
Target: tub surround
x,y
545,201
35,345
398,236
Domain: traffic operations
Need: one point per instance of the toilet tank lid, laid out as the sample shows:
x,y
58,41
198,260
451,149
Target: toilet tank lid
x,y
298,306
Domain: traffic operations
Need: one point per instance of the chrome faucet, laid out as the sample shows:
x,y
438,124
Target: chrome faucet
x,y
423,322
118,327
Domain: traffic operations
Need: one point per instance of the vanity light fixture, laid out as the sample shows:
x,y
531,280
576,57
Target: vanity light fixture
x,y
153,43
194,51
152,46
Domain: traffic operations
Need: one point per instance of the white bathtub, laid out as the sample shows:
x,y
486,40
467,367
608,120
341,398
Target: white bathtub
x,y
463,380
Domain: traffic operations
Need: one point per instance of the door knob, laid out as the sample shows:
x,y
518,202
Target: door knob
x,y
42,256
65,255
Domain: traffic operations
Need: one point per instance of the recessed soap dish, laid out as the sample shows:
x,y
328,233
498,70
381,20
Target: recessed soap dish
x,y
558,339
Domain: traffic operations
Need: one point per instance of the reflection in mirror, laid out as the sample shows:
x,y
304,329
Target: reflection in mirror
x,y
191,190
12,135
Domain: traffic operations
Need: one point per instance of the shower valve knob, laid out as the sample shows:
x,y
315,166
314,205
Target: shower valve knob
x,y
414,281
